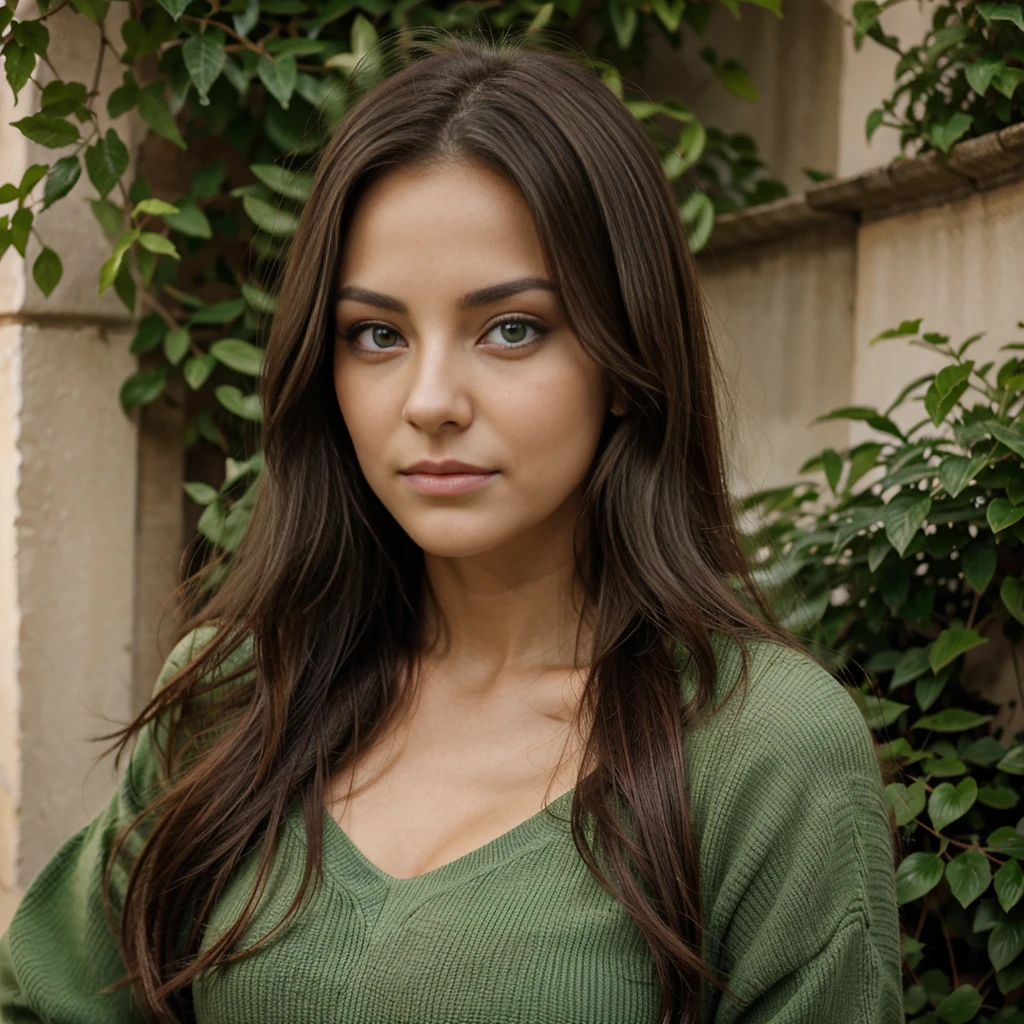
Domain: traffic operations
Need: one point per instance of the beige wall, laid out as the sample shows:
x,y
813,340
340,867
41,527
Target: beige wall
x,y
68,502
782,317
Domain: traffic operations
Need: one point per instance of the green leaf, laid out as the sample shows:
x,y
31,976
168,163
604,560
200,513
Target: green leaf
x,y
1008,80
1009,884
155,112
1007,840
737,81
913,663
106,161
19,63
906,802
906,329
698,214
52,132
945,136
279,77
189,220
200,493
111,267
177,344
947,389
1002,513
918,874
61,179
111,217
998,797
986,750
94,10
623,18
21,226
979,564
874,122
950,644
219,312
257,299
951,720
274,221
928,689
1003,12
878,712
149,335
668,12
1013,439
197,370
903,517
944,767
175,8
956,472
47,270
204,60
1005,943
245,406
1007,980
961,1005
124,97
1013,761
142,388
32,176
948,803
968,875
59,99
157,207
986,917
1011,593
238,355
153,242
291,184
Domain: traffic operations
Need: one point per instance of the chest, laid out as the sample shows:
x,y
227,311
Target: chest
x,y
525,936
455,773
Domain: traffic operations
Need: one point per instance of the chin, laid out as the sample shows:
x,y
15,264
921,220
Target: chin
x,y
457,536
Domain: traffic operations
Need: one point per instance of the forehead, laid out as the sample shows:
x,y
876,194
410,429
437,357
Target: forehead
x,y
456,217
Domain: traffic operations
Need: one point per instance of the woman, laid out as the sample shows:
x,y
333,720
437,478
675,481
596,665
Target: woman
x,y
487,722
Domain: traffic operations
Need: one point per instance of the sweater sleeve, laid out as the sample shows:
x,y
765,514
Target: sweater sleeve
x,y
799,882
58,952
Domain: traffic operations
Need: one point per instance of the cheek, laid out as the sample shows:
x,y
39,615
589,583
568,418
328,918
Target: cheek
x,y
366,419
551,430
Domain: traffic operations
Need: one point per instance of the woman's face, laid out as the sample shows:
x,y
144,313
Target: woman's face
x,y
452,345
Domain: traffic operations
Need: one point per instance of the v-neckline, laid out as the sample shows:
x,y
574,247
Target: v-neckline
x,y
342,856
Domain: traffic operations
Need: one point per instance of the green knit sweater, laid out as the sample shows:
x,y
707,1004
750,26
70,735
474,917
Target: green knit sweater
x,y
796,864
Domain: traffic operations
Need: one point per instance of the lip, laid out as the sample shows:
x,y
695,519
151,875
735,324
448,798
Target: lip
x,y
444,467
447,477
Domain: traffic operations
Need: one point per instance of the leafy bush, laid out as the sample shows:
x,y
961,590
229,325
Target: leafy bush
x,y
258,85
962,80
907,558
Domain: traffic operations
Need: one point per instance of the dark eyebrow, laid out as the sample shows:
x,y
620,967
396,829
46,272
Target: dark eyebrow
x,y
481,297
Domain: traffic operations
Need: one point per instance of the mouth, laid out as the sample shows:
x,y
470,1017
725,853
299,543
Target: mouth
x,y
448,483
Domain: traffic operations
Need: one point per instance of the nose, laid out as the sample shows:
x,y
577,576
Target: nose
x,y
438,386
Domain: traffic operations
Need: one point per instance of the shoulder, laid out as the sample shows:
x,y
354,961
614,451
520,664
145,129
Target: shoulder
x,y
192,644
795,842
792,715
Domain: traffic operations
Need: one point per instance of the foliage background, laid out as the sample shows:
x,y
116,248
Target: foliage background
x,y
906,558
902,564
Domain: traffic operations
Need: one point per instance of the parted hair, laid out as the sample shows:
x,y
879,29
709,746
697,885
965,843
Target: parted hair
x,y
331,591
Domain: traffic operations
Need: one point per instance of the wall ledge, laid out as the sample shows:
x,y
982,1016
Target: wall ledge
x,y
976,165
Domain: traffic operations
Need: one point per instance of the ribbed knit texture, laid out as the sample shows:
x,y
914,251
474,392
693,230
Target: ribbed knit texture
x,y
797,878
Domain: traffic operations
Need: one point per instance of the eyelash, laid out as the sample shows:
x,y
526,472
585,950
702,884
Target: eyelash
x,y
356,329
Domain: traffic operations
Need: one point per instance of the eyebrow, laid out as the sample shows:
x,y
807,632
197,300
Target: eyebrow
x,y
481,297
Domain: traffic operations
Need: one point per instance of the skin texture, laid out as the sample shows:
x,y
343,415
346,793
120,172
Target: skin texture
x,y
487,738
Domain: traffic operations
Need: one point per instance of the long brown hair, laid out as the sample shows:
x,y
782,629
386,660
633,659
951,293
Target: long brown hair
x,y
330,589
